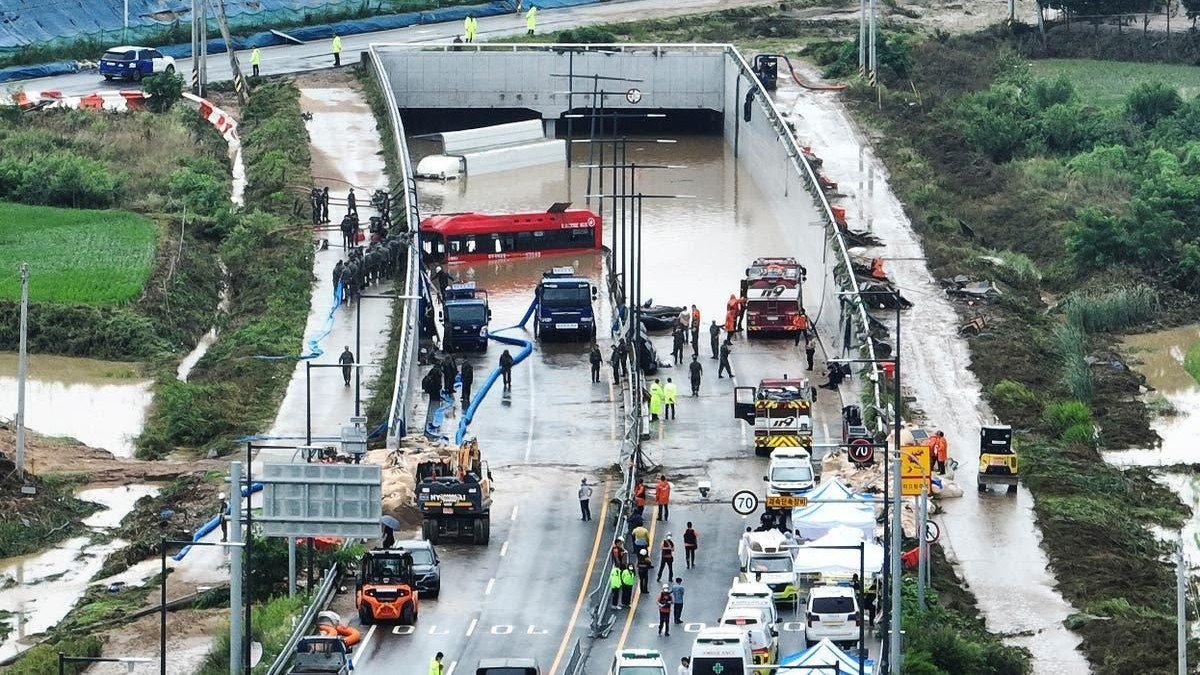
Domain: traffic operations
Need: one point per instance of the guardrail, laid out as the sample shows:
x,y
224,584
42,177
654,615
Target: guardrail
x,y
320,601
843,271
409,337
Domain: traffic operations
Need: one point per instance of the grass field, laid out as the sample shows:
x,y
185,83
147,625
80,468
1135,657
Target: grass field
x,y
74,255
1105,83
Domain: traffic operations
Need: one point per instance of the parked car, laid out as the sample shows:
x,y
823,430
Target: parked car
x,y
427,567
134,63
507,667
833,615
638,662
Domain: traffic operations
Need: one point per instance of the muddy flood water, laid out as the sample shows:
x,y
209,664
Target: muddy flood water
x,y
100,403
1159,356
38,590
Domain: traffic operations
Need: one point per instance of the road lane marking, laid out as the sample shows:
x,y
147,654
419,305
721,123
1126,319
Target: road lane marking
x,y
450,670
504,549
532,409
637,592
471,628
491,583
362,646
562,646
514,513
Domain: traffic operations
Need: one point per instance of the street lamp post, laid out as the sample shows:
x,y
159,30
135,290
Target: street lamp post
x,y
162,619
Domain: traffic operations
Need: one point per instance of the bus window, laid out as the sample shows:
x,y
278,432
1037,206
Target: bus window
x,y
524,241
496,246
470,244
539,241
581,236
456,245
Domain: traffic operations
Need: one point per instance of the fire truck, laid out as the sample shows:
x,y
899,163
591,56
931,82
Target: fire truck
x,y
772,289
780,410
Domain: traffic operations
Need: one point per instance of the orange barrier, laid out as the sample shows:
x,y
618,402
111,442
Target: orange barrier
x,y
349,635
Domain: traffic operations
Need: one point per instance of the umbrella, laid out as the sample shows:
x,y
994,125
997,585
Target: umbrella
x,y
388,521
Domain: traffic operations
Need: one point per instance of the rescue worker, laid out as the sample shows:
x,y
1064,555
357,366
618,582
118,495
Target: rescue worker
x,y
467,28
664,610
662,497
677,345
685,322
467,375
691,541
506,364
351,204
618,552
695,371
223,515
685,666
835,373
585,500
714,337
670,393
596,360
695,330
677,599
314,198
656,400
347,361
388,538
644,564
614,585
627,582
431,384
730,321
435,666
531,20
449,373
800,326
666,558
723,366
741,312
622,355
325,205
255,60
939,450
810,350
336,50
641,537
639,496
337,274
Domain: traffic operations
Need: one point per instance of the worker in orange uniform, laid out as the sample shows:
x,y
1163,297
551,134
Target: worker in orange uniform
x,y
732,310
800,324
639,496
662,496
940,451
695,331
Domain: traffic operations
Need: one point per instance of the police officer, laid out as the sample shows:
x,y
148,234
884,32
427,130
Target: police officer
x,y
449,372
347,233
670,391
506,364
351,204
325,205
723,367
337,273
614,584
595,359
467,375
347,361
314,198
714,337
677,338
351,273
431,384
627,582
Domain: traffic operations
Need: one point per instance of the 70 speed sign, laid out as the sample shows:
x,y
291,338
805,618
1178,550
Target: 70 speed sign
x,y
744,502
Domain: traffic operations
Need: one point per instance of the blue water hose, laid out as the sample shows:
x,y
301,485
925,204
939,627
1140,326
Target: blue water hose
x,y
526,350
314,343
214,523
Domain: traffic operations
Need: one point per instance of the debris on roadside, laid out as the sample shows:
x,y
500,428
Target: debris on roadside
x,y
962,286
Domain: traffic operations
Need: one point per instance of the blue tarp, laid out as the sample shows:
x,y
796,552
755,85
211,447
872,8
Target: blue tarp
x,y
38,70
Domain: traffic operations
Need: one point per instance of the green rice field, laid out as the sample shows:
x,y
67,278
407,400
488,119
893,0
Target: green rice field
x,y
75,255
1106,83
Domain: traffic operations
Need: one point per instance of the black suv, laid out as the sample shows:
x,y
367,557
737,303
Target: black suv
x,y
427,567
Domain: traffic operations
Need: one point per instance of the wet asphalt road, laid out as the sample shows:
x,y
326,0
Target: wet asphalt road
x,y
518,595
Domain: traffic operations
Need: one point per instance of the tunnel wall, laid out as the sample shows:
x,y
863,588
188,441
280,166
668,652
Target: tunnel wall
x,y
529,76
768,152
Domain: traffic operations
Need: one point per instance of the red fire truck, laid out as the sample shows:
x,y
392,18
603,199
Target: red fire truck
x,y
772,289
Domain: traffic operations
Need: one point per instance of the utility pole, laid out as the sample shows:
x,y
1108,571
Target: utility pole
x,y
923,553
125,25
1181,607
236,629
874,62
1012,12
22,370
862,38
239,80
894,658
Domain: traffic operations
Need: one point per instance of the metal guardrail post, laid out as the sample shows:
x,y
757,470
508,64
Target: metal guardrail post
x,y
320,601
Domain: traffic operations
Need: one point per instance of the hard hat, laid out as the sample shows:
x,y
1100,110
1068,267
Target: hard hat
x,y
642,552
666,587
620,538
221,495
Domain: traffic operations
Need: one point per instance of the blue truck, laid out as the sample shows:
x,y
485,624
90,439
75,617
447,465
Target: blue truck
x,y
465,317
564,308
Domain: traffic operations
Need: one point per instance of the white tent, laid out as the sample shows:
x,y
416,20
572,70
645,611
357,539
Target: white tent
x,y
812,558
824,653
819,517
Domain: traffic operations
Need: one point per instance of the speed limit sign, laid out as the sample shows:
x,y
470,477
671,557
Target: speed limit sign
x,y
861,451
745,502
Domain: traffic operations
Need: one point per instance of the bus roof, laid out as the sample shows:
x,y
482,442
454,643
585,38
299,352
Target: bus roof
x,y
487,223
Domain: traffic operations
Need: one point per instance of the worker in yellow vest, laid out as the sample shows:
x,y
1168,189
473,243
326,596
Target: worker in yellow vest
x,y
336,49
531,20
255,60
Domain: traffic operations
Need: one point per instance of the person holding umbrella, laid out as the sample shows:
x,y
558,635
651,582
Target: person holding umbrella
x,y
389,525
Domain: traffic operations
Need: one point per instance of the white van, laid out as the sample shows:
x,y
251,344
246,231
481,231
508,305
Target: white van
x,y
752,595
721,651
767,558
763,636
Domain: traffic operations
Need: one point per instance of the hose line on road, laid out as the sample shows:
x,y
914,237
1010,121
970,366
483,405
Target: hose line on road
x,y
526,349
314,343
214,523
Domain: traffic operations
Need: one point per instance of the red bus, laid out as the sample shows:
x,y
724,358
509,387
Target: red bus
x,y
470,237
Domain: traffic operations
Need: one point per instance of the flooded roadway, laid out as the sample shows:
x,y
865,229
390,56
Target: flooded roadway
x,y
516,596
991,538
99,403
